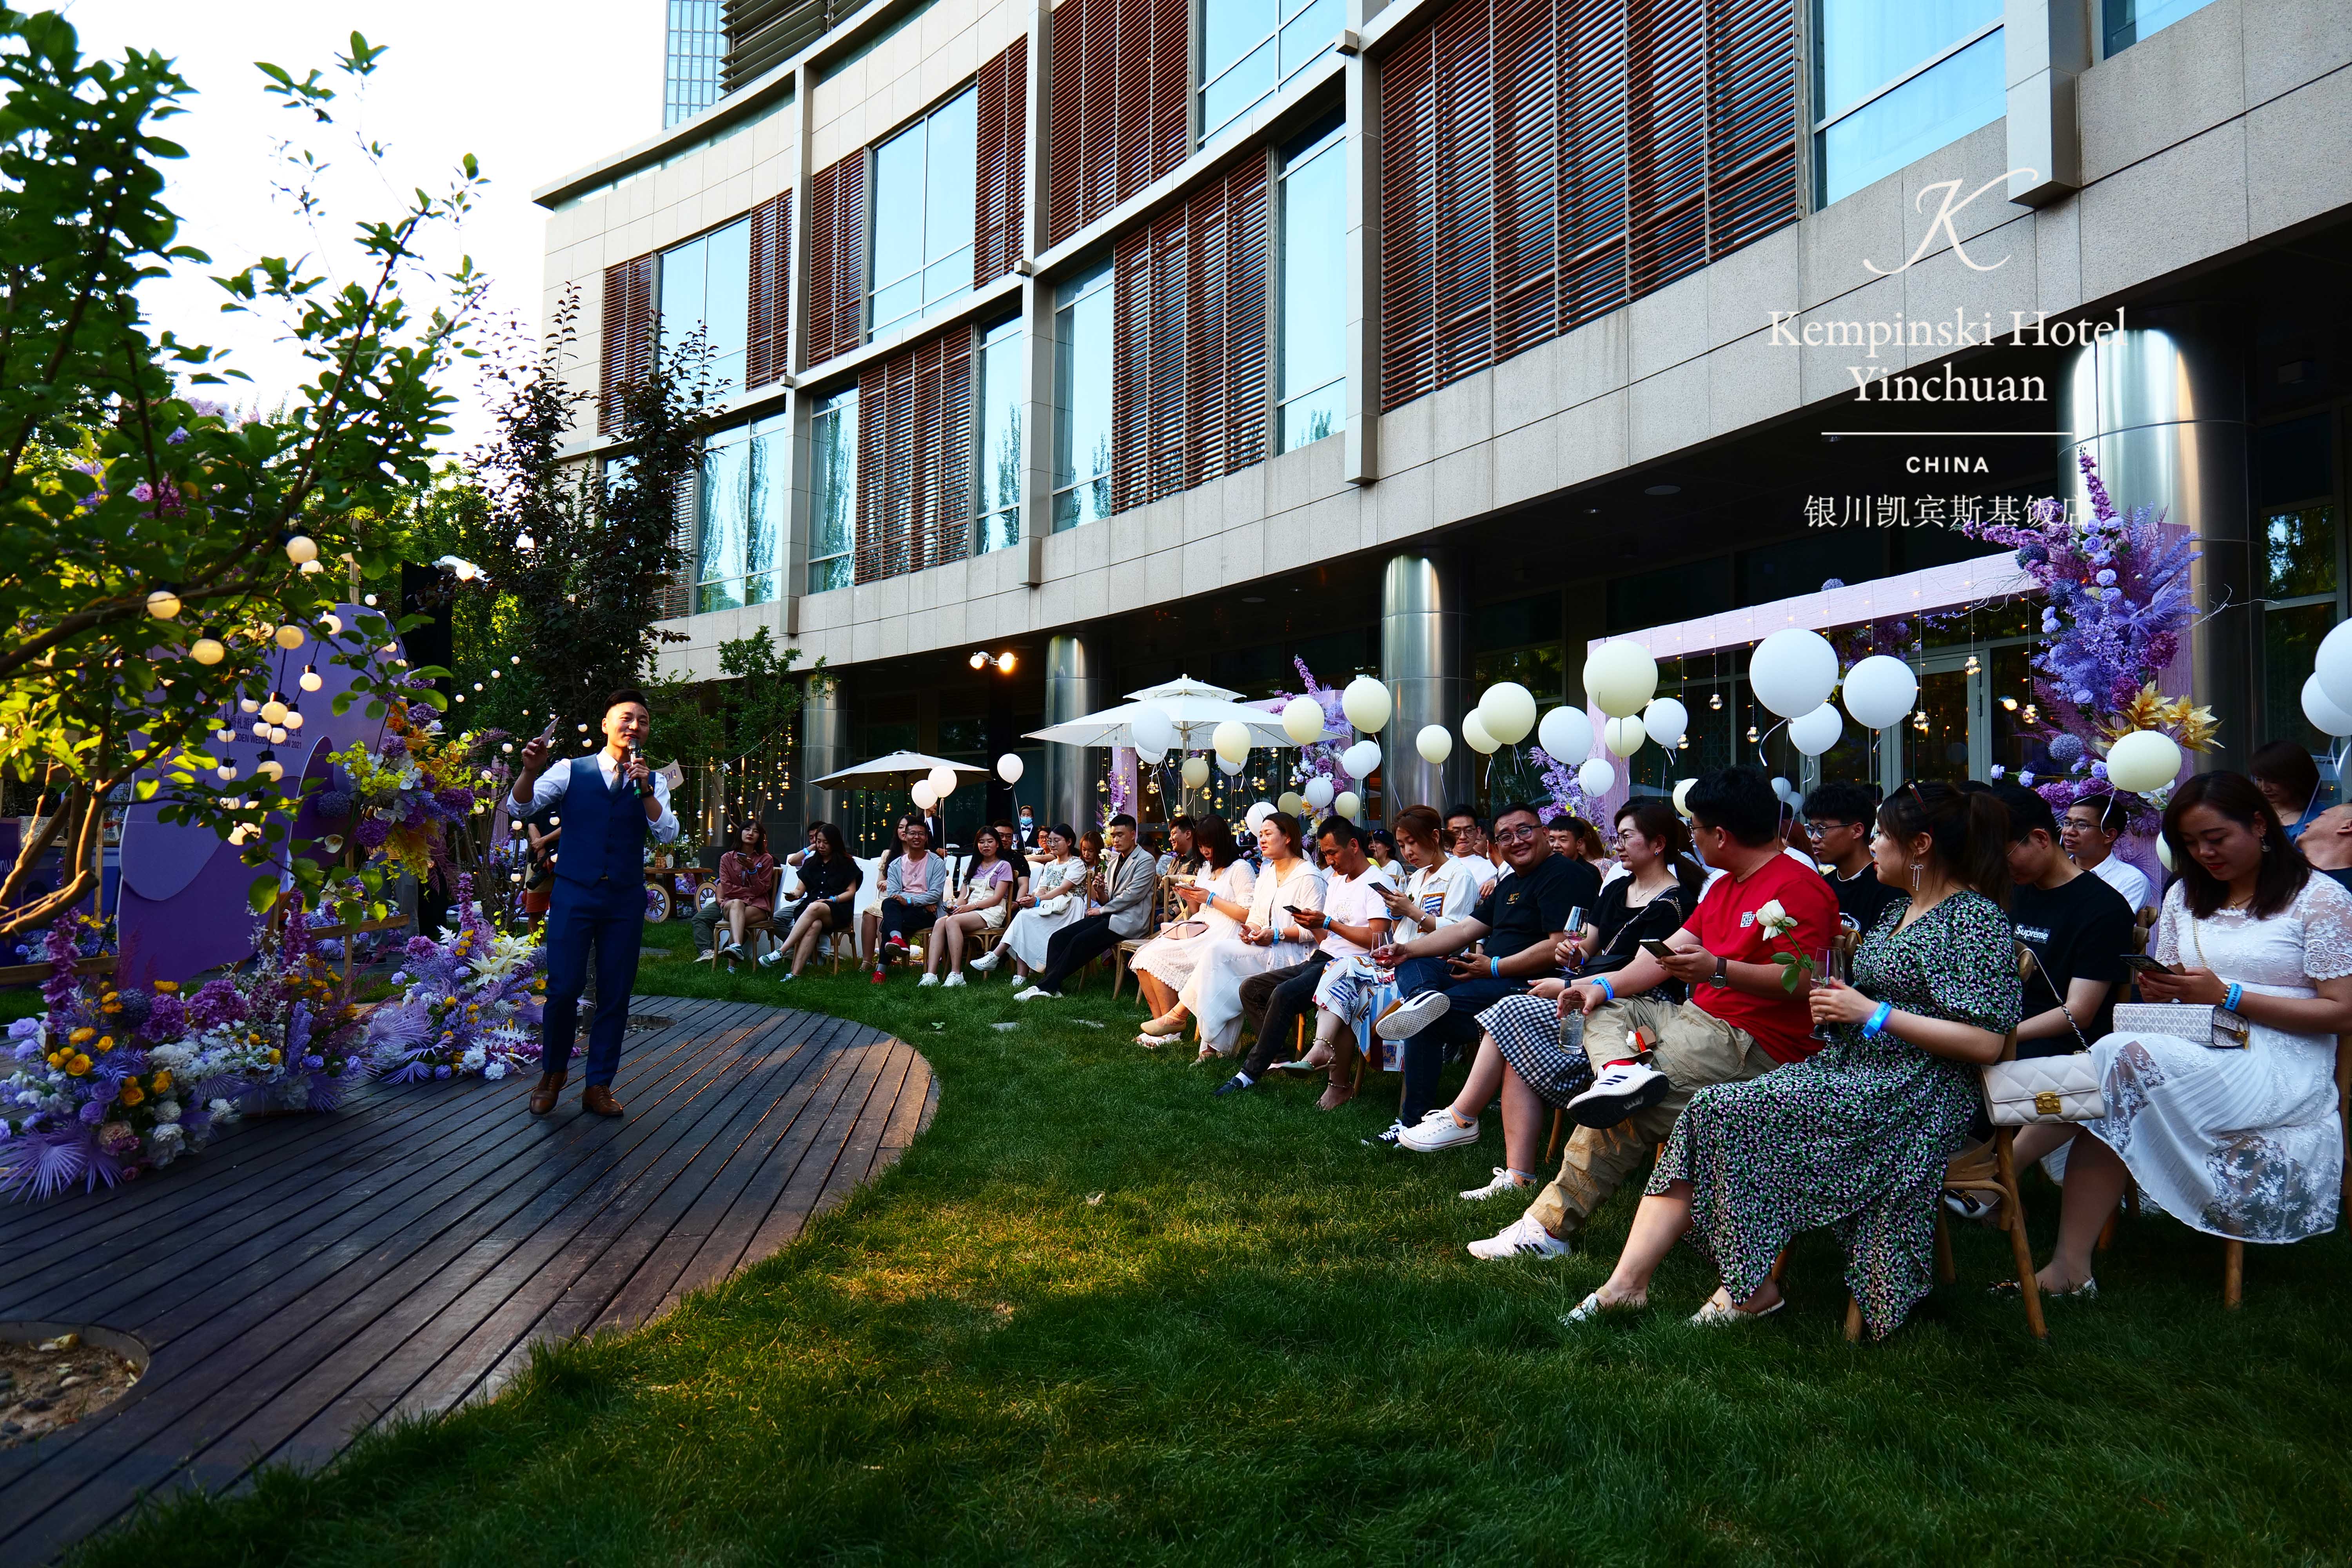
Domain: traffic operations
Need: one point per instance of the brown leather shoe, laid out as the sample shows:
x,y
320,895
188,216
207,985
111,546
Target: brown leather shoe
x,y
542,1098
597,1098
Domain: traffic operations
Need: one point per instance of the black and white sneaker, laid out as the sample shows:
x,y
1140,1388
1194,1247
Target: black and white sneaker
x,y
1973,1207
1413,1015
1386,1138
1621,1090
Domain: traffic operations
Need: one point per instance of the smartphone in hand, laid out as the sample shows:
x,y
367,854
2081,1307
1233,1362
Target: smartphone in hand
x,y
1656,949
2141,963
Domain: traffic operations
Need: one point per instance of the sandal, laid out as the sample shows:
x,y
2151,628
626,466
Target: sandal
x,y
2010,1291
1719,1310
1151,1042
1591,1309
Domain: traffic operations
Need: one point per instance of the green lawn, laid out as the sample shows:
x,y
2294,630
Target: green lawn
x,y
1097,1316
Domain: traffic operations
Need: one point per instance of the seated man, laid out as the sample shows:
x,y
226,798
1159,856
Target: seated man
x,y
1740,1022
1123,889
911,892
1842,818
2076,927
1520,919
1354,919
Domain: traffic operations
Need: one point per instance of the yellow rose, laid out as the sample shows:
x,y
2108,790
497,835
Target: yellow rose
x,y
276,1056
131,1093
106,1043
78,1066
79,1035
167,986
162,1081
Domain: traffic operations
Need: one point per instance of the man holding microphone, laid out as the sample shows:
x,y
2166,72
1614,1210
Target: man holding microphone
x,y
609,803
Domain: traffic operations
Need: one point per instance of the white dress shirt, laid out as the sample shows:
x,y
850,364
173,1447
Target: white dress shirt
x,y
557,777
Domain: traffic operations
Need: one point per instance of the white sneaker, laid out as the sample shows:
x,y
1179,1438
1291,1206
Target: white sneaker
x,y
771,958
952,982
1523,1238
1030,995
1623,1090
1410,1017
927,980
786,978
1504,1182
986,960
1436,1131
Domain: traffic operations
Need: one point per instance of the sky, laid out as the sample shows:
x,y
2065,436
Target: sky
x,y
533,89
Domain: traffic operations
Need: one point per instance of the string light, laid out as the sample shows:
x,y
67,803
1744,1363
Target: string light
x,y
311,680
163,605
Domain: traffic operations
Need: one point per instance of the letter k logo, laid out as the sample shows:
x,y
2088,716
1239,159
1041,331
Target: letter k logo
x,y
1953,204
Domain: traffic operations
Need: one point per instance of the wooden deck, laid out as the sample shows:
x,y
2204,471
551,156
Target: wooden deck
x,y
308,1277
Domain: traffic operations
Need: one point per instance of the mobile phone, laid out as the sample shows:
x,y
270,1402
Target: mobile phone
x,y
1656,949
2141,963
553,724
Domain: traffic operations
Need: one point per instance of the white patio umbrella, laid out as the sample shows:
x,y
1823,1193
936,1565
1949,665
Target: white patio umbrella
x,y
898,767
1194,707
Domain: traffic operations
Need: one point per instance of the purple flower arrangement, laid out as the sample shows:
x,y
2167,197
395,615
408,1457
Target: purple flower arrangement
x,y
469,1006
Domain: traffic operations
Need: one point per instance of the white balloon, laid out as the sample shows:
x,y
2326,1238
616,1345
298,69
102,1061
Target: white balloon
x,y
2164,853
1196,771
1624,737
2332,665
1347,805
1152,729
924,795
943,781
1318,792
1258,813
1815,732
1596,777
1009,767
1566,735
1665,719
1229,766
1620,677
1232,742
1475,735
1793,671
1302,721
1780,788
1292,802
1435,742
1153,758
1509,711
1880,690
2144,760
1366,703
1361,758
2325,716
1681,795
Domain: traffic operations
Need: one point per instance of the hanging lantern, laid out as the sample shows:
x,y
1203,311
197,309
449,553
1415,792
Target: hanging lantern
x,y
163,605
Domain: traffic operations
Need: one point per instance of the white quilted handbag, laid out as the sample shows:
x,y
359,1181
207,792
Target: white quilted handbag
x,y
2044,1088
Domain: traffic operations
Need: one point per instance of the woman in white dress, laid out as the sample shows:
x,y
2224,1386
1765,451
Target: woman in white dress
x,y
2237,1144
1270,938
1056,896
1215,906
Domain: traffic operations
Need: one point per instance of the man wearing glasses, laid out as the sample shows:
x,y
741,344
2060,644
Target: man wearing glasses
x,y
1842,818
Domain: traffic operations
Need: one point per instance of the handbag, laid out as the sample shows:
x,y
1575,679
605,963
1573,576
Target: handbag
x,y
2044,1088
2206,1022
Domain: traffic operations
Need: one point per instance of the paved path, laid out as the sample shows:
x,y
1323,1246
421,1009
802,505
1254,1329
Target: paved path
x,y
308,1277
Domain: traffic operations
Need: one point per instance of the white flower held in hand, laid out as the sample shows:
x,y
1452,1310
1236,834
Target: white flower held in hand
x,y
1776,921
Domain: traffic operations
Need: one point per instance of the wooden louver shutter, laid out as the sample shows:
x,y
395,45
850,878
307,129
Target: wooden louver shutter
x,y
1408,257
838,258
766,357
1120,106
997,238
1592,160
1666,60
677,595
915,459
628,343
1527,177
1751,159
1464,214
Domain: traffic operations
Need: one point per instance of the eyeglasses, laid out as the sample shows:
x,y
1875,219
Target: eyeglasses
x,y
1516,834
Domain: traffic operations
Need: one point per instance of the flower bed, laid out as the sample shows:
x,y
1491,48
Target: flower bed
x,y
469,1006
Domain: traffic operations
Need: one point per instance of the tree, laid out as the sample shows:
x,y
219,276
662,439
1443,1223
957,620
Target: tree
x,y
152,554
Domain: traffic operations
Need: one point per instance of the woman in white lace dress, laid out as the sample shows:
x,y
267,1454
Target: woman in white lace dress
x,y
2237,1144
1269,937
1056,896
1214,905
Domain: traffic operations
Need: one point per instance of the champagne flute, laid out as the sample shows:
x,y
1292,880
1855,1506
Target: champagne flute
x,y
1829,973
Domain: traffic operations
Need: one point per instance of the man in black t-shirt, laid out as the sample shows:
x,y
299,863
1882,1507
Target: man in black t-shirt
x,y
1842,818
2077,927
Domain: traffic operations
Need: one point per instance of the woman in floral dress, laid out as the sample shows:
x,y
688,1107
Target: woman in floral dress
x,y
1856,1137
2237,1144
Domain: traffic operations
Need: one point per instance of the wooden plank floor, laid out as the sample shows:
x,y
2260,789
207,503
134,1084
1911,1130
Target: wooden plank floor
x,y
308,1277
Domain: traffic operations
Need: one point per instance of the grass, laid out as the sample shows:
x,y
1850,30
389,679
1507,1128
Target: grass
x,y
1095,1315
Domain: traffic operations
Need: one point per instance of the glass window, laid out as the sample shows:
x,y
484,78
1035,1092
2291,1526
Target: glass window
x,y
1893,83
1082,400
833,490
925,181
996,512
1311,368
1251,47
740,523
2126,22
707,283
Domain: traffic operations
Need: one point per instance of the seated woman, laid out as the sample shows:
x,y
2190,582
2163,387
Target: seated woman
x,y
1854,1137
983,906
829,883
1524,1055
748,878
1214,906
1056,896
1269,937
2243,1144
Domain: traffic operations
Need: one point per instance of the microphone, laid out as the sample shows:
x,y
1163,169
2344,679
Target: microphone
x,y
635,787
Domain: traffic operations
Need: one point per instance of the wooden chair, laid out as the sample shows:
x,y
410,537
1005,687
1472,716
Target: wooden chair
x,y
1166,908
2233,1252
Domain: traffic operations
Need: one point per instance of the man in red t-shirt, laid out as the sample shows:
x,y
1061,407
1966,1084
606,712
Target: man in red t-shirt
x,y
1740,1022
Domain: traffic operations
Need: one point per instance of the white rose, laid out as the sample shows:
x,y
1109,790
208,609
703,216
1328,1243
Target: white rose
x,y
1775,919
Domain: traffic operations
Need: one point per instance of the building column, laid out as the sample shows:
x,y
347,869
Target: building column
x,y
1422,662
824,748
1074,682
2161,407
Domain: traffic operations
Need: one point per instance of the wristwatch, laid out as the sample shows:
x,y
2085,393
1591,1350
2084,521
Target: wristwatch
x,y
1722,975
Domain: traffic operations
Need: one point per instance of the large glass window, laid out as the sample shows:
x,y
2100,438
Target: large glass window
x,y
1082,400
706,283
833,490
1311,370
1894,82
738,533
996,513
2126,22
924,183
2301,540
1251,47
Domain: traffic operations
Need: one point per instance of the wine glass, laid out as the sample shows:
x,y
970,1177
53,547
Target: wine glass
x,y
1831,972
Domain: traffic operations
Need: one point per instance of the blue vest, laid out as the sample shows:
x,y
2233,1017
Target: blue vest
x,y
603,831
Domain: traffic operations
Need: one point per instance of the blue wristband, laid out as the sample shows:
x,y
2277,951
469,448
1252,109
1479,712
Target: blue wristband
x,y
1494,969
1606,989
1878,1019
2236,990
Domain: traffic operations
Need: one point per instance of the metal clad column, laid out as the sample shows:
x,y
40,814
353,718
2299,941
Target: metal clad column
x,y
2162,406
824,748
1421,660
1072,689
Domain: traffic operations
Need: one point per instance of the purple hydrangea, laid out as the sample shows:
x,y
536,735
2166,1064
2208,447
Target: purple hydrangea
x,y
333,805
178,437
456,801
167,1020
217,1004
373,833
